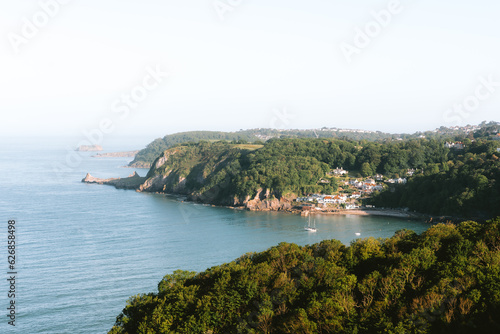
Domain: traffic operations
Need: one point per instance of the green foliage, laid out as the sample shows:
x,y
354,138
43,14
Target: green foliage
x,y
466,186
443,281
446,182
147,155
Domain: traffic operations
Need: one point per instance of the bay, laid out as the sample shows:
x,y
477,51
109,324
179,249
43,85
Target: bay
x,y
83,250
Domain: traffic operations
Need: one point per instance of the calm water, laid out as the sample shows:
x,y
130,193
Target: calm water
x,y
83,250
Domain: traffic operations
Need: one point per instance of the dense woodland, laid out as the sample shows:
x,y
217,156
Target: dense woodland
x,y
446,181
147,155
154,149
445,280
464,186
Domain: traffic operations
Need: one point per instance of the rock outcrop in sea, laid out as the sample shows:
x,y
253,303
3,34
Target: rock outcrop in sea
x,y
89,148
116,154
133,181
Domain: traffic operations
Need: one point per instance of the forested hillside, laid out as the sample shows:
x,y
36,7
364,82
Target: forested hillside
x,y
446,181
465,186
443,281
224,173
146,156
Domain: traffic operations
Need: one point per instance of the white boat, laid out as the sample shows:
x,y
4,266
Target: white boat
x,y
310,227
358,234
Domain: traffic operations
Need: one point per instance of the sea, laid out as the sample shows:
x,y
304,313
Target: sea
x,y
82,250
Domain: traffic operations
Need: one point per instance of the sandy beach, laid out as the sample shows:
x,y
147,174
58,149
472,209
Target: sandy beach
x,y
368,212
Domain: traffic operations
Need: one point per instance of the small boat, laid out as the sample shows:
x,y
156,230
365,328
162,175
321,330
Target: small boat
x,y
309,227
358,234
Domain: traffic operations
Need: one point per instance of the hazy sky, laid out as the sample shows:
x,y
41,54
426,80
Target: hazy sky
x,y
398,66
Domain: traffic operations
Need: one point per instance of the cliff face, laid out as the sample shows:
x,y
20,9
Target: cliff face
x,y
207,173
199,172
266,201
203,174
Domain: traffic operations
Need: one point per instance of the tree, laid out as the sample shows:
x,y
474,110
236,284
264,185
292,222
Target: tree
x,y
366,169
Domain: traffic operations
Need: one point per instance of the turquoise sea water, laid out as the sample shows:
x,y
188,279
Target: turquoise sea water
x,y
83,250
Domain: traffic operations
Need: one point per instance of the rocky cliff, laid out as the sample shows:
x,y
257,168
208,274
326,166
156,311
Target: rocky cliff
x,y
203,173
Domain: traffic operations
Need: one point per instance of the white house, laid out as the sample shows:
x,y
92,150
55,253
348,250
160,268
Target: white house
x,y
457,145
370,181
328,199
339,171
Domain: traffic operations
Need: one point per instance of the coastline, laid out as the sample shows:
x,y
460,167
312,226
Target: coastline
x,y
134,182
394,213
369,212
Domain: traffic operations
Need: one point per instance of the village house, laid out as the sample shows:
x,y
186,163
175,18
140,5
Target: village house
x,y
338,172
339,199
370,181
457,145
367,187
328,199
356,183
305,199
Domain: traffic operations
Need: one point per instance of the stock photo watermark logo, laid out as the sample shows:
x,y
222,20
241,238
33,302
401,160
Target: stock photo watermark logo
x,y
31,27
281,118
222,7
364,36
121,108
486,88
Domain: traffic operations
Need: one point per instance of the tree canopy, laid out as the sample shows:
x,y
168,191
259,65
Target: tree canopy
x,y
445,280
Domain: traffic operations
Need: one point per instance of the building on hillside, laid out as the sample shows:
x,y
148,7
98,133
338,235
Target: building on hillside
x,y
370,181
339,171
328,199
456,146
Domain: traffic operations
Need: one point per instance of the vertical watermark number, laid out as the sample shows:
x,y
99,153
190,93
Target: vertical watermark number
x,y
11,273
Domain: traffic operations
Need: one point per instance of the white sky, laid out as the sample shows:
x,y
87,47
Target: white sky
x,y
233,74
